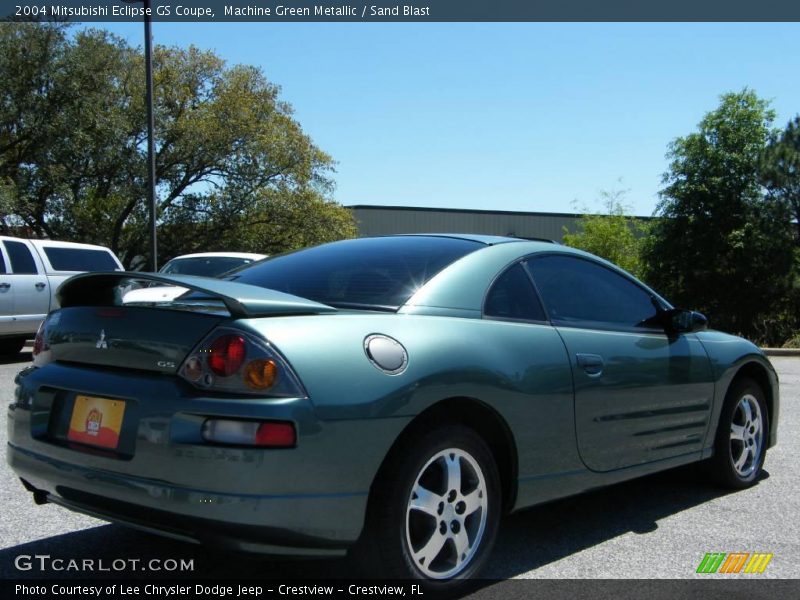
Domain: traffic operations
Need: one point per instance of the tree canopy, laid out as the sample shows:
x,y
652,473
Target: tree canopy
x,y
721,245
235,170
615,235
780,170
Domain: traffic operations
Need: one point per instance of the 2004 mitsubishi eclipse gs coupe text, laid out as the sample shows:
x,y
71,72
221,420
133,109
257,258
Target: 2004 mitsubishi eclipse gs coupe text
x,y
393,396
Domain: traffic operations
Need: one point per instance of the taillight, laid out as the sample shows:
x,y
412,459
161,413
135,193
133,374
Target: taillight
x,y
227,354
234,361
38,341
261,374
41,347
276,434
236,432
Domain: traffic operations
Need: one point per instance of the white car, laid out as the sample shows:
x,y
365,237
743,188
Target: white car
x,y
30,273
204,264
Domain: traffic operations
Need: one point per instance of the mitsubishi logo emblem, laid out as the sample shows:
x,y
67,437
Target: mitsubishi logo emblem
x,y
102,343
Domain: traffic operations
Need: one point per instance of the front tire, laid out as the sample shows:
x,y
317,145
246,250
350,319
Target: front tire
x,y
741,443
435,509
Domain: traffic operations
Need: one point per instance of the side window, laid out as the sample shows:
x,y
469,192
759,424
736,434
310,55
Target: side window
x,y
577,291
2,264
512,297
79,259
22,262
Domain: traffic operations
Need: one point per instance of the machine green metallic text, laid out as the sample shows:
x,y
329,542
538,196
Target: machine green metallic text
x,y
392,397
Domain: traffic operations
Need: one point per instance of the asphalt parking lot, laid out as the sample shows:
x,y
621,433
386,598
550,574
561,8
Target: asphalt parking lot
x,y
657,527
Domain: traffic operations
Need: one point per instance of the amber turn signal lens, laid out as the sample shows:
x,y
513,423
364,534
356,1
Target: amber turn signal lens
x,y
260,374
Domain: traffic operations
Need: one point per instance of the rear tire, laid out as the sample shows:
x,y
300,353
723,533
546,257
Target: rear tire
x,y
11,346
741,442
434,510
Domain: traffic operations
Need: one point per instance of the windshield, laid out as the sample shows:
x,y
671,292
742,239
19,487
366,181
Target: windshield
x,y
205,266
378,273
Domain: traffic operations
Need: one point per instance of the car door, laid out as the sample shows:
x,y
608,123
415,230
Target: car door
x,y
537,390
28,286
641,395
6,299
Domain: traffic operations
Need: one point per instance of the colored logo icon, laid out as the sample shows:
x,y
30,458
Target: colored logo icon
x,y
734,562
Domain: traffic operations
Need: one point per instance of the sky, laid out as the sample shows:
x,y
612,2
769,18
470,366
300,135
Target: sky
x,y
504,116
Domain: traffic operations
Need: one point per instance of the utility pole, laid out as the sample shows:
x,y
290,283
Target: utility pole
x,y
151,154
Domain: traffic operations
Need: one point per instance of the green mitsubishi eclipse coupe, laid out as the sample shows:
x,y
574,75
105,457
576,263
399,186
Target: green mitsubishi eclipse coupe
x,y
388,396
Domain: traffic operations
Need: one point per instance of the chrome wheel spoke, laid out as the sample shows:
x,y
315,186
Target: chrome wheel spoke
x,y
737,432
428,553
739,464
473,501
461,541
748,412
424,500
453,463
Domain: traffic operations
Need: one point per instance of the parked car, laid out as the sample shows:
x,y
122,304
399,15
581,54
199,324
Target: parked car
x,y
30,273
388,396
205,264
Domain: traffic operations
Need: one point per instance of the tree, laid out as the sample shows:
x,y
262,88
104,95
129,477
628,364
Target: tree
x,y
780,170
614,235
721,245
72,144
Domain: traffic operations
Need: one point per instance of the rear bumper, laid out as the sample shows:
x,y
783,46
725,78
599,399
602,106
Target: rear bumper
x,y
308,500
322,525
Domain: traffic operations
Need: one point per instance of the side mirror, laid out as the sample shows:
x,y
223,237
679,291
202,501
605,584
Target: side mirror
x,y
680,320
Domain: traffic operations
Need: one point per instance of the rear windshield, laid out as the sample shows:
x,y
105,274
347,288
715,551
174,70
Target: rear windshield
x,y
377,273
80,259
205,266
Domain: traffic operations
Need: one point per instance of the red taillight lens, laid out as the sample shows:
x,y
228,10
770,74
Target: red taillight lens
x,y
276,435
38,342
226,355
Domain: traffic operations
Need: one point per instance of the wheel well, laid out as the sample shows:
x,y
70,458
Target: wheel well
x,y
758,373
485,421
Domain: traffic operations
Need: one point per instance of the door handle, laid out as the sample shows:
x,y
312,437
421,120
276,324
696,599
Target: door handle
x,y
591,363
40,285
4,286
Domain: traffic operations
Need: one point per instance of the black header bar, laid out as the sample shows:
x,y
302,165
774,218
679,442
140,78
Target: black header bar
x,y
415,11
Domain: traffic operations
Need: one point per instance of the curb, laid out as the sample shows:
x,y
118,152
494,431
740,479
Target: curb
x,y
781,351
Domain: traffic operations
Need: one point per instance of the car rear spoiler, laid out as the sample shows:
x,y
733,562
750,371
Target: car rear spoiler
x,y
241,299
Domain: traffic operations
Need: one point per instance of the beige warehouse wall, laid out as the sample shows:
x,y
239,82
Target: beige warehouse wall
x,y
385,220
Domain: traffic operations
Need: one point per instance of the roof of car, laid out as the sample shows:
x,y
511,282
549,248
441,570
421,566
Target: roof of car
x,y
489,240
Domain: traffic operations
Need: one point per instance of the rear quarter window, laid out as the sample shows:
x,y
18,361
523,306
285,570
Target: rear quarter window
x,y
360,273
80,259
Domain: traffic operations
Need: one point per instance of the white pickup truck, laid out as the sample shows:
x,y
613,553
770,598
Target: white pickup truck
x,y
30,273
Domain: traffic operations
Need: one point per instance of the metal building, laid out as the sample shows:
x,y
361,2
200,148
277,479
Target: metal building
x,y
387,220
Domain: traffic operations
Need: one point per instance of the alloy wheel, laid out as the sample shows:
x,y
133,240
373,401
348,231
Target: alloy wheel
x,y
446,514
747,435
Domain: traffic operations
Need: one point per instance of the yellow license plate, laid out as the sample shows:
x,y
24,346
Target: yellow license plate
x,y
96,421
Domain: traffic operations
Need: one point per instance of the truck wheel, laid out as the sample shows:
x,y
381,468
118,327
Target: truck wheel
x,y
11,346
